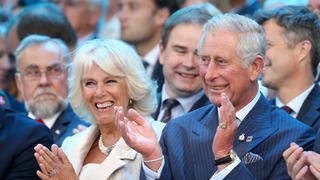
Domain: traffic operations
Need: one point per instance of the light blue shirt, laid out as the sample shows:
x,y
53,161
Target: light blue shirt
x,y
185,103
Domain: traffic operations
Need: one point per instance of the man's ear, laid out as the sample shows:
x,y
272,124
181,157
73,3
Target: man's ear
x,y
18,82
255,68
161,55
304,48
162,16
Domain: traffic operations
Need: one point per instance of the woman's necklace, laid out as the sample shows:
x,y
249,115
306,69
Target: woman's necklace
x,y
105,150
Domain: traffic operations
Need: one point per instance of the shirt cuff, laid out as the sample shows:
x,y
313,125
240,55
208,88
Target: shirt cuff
x,y
151,175
222,174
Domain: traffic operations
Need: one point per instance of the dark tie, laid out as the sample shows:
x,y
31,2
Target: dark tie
x,y
40,121
145,64
287,109
167,114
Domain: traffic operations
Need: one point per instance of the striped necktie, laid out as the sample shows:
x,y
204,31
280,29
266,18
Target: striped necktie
x,y
167,114
287,109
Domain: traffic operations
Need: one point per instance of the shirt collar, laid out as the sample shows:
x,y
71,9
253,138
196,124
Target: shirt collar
x,y
186,102
242,113
152,56
48,121
296,103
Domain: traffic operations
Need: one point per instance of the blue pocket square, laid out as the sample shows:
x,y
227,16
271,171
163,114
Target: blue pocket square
x,y
250,158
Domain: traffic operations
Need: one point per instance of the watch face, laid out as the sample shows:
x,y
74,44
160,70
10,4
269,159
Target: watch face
x,y
233,154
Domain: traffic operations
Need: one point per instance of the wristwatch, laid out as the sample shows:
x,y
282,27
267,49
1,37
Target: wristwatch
x,y
227,159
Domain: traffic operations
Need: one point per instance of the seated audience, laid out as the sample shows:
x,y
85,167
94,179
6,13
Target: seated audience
x,y
104,74
42,78
293,54
239,136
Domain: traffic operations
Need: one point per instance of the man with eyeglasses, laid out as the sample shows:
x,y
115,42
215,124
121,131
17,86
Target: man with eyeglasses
x,y
83,15
42,78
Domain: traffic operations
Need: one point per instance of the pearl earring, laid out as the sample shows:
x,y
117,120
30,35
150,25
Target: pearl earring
x,y
130,101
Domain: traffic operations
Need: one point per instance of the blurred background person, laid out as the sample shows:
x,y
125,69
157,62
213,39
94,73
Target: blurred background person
x,y
271,4
314,6
142,22
20,4
111,27
42,78
84,16
104,75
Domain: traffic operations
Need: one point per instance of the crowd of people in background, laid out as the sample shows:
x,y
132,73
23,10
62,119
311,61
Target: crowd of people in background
x,y
159,89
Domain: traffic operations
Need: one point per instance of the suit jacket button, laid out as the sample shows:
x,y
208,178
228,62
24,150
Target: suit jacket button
x,y
57,132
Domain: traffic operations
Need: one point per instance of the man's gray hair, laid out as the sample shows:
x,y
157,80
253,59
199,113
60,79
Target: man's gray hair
x,y
33,40
251,36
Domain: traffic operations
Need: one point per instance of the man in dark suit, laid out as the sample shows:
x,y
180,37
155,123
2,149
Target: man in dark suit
x,y
42,78
142,22
240,136
178,55
292,57
18,137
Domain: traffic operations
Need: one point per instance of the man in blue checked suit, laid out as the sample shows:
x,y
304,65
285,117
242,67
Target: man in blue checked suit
x,y
239,136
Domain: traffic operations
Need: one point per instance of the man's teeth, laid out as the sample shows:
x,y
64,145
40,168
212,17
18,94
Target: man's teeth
x,y
218,87
188,75
104,105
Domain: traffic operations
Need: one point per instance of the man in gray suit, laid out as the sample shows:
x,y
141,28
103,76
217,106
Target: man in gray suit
x,y
42,78
182,91
292,57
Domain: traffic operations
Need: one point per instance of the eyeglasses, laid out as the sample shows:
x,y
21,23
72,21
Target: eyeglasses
x,y
34,73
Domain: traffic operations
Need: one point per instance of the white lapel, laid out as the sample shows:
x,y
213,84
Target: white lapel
x,y
79,145
114,161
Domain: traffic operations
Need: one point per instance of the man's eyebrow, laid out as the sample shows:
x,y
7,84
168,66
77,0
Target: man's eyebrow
x,y
180,47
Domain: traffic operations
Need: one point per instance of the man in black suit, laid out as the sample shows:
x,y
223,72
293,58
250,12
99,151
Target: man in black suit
x,y
142,22
42,78
178,55
18,137
292,57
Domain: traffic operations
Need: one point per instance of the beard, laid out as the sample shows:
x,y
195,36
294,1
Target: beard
x,y
42,108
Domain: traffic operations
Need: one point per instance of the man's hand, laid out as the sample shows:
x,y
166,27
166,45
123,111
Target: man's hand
x,y
223,140
297,163
140,136
314,161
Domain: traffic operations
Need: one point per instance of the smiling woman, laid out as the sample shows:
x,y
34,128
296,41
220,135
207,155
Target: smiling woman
x,y
104,74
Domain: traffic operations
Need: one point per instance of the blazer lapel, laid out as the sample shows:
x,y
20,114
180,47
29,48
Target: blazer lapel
x,y
203,132
81,146
256,124
114,161
203,101
310,109
61,124
156,113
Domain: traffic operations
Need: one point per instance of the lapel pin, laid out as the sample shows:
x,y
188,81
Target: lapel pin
x,y
242,137
57,131
249,138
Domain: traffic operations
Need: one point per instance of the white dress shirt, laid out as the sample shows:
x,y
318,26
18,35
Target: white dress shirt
x,y
48,121
185,103
296,103
241,114
151,58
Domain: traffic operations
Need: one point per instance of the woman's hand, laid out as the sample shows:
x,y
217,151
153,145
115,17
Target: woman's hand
x,y
55,163
140,136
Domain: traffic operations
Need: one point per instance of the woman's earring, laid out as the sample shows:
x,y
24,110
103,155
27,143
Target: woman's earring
x,y
130,101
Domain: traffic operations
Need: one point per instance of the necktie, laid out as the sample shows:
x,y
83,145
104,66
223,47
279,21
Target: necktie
x,y
40,121
167,114
287,109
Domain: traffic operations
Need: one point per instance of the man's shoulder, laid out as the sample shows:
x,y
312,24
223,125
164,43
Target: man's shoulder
x,y
196,115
